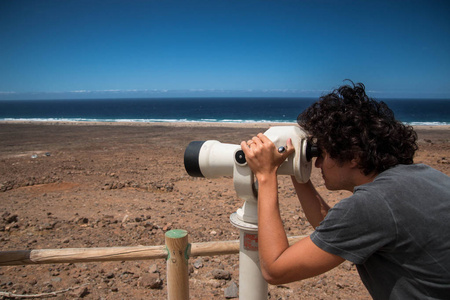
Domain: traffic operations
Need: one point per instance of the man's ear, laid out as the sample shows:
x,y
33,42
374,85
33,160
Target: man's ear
x,y
354,163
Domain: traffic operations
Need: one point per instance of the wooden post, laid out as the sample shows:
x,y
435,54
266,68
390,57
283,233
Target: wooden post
x,y
178,250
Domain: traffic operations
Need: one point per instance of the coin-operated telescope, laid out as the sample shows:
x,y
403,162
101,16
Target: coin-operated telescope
x,y
212,159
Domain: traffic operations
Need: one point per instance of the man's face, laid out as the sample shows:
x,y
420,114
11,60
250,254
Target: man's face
x,y
336,175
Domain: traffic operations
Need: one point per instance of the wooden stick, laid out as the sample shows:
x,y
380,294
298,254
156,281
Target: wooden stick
x,y
177,265
215,248
226,247
74,255
42,295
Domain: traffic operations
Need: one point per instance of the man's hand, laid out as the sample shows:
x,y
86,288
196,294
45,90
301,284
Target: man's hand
x,y
262,156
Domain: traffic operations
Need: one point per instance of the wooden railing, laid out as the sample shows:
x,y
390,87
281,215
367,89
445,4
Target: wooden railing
x,y
176,251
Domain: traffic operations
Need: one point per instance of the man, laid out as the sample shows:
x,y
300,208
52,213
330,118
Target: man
x,y
396,225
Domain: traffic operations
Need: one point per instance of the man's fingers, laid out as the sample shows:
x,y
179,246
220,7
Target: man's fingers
x,y
245,147
263,138
290,147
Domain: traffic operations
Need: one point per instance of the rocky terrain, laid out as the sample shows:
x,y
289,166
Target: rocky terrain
x,y
108,185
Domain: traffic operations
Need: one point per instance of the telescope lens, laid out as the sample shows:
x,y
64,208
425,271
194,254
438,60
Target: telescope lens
x,y
191,155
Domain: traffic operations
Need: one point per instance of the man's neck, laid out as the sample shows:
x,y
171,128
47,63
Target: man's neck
x,y
360,178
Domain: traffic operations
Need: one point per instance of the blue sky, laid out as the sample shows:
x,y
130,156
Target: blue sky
x,y
155,48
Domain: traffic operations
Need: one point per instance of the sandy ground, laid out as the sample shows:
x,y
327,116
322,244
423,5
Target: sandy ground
x,y
83,185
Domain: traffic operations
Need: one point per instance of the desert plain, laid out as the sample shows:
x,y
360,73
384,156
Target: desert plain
x,y
87,185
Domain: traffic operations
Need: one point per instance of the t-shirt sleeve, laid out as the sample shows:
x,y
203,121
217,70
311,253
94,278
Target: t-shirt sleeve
x,y
356,227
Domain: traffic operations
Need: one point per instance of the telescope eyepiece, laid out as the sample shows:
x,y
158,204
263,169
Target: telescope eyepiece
x,y
312,150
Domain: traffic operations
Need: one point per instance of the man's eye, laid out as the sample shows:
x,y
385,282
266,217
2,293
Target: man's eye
x,y
320,153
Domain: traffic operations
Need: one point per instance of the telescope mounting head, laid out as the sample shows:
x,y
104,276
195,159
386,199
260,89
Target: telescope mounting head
x,y
212,159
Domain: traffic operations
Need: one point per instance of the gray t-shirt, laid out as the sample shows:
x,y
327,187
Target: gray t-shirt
x,y
396,230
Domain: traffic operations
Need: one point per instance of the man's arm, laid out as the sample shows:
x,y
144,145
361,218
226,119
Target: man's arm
x,y
313,205
279,262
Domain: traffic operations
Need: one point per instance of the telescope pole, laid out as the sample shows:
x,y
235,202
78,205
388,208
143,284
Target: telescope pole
x,y
252,285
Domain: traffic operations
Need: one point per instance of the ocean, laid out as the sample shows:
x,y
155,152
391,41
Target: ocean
x,y
227,110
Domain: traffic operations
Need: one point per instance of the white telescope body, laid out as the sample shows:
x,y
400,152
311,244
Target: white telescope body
x,y
216,159
212,159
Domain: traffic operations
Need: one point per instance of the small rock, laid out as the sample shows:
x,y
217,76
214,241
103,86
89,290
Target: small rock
x,y
49,226
216,283
82,221
12,218
221,274
347,265
198,263
81,293
107,218
150,281
167,227
33,282
444,161
231,291
153,269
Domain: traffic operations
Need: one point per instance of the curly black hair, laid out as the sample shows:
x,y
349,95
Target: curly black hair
x,y
348,124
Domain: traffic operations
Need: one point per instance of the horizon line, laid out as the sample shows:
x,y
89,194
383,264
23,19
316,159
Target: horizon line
x,y
139,93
